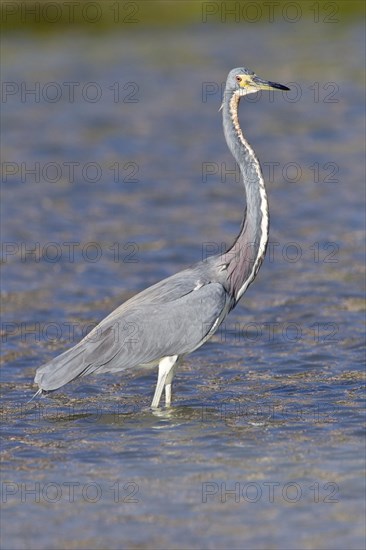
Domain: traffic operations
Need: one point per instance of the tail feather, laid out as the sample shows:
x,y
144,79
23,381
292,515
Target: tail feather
x,y
61,370
39,392
95,353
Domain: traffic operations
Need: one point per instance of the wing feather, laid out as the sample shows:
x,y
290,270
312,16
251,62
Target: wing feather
x,y
142,331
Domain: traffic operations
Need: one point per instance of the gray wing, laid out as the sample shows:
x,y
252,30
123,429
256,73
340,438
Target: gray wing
x,y
142,331
148,332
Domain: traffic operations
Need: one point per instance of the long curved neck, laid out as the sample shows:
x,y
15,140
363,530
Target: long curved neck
x,y
246,255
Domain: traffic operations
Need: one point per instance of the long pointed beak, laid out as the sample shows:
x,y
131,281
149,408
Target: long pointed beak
x,y
267,84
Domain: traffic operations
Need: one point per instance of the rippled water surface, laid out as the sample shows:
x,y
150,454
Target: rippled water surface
x,y
132,181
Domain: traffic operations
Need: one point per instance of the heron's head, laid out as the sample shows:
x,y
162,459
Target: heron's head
x,y
243,81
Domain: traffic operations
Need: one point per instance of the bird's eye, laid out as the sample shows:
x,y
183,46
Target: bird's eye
x,y
238,78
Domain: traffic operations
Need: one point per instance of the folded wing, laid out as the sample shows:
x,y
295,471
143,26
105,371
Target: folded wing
x,y
140,332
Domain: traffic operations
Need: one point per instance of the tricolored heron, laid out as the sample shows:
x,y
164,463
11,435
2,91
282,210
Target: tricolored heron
x,y
179,314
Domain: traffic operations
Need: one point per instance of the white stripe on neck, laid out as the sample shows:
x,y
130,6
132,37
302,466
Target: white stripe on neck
x,y
234,102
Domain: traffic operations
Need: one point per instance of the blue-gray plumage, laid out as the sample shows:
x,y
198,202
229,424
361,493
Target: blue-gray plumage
x,y
177,315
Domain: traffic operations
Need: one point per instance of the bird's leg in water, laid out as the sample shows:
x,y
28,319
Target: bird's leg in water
x,y
168,384
168,394
165,377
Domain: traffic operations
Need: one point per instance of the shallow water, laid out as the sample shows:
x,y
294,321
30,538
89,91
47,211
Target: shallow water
x,y
263,447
